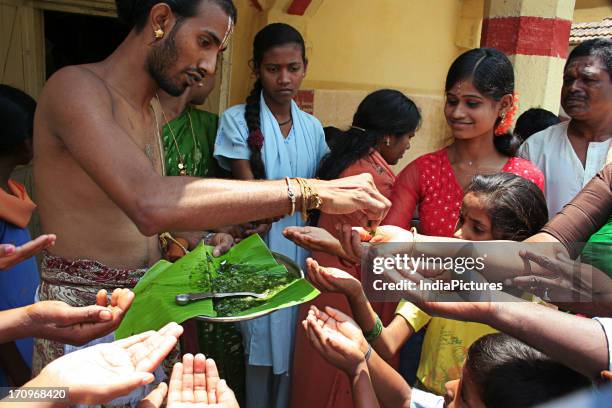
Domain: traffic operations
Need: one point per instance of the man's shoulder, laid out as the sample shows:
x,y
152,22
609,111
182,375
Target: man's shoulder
x,y
544,142
75,84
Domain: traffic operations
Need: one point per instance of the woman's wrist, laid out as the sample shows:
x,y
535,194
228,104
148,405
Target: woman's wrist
x,y
359,370
357,298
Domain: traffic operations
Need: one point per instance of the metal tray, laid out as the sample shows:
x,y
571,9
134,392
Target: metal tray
x,y
291,266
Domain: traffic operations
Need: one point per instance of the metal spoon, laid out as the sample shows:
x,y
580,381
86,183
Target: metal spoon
x,y
185,298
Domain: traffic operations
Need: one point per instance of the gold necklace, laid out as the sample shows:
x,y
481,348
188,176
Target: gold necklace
x,y
159,142
181,159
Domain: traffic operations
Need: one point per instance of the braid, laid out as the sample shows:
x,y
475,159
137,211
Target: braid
x,y
256,138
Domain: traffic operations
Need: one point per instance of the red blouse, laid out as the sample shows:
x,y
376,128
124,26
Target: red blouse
x,y
430,182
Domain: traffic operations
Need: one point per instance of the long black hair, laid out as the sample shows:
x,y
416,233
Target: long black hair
x,y
272,35
492,74
382,113
517,206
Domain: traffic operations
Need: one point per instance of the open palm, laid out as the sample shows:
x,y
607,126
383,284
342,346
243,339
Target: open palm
x,y
332,280
195,383
336,337
104,372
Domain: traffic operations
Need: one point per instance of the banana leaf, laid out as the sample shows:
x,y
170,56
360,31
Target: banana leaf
x,y
154,304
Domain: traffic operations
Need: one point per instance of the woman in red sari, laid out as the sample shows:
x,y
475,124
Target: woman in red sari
x,y
480,104
382,127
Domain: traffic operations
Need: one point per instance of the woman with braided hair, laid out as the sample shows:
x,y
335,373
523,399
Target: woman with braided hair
x,y
271,138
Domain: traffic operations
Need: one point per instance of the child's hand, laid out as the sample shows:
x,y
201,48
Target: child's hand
x,y
222,243
332,279
318,239
391,233
340,342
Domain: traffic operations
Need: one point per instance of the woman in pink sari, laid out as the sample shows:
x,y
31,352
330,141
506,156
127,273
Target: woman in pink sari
x,y
382,127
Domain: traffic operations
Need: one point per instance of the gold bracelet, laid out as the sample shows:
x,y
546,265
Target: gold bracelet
x,y
291,195
310,198
304,209
316,202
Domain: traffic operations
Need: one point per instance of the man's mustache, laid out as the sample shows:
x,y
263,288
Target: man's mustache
x,y
576,96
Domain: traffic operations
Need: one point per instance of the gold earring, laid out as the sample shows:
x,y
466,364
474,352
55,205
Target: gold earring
x,y
159,34
387,142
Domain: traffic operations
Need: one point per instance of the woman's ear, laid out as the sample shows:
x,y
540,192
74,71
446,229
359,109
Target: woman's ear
x,y
505,104
254,68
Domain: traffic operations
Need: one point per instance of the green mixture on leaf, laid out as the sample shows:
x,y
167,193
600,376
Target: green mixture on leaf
x,y
246,278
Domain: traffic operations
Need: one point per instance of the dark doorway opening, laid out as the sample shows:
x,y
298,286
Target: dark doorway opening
x,y
72,39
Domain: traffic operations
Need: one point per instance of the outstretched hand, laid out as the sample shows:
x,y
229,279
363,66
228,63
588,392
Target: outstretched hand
x,y
101,373
55,320
194,383
568,280
337,338
356,195
332,279
222,243
11,255
318,239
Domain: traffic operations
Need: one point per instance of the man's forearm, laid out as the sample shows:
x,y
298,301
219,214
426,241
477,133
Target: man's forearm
x,y
503,260
210,203
577,342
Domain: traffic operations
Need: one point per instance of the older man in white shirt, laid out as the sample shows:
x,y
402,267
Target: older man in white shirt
x,y
571,153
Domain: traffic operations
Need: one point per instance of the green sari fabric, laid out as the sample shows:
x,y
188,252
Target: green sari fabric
x,y
222,342
598,250
195,144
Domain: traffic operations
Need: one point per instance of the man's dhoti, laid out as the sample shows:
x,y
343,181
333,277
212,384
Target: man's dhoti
x,y
77,283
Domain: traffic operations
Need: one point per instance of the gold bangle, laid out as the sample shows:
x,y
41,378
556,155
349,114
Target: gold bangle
x,y
291,195
310,198
304,209
316,202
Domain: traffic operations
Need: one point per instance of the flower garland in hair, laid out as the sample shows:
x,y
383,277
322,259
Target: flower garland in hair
x,y
255,140
506,123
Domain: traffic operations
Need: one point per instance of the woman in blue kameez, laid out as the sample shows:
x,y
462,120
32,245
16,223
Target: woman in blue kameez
x,y
269,137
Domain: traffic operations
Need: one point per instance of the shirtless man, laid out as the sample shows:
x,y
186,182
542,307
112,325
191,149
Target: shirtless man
x,y
98,165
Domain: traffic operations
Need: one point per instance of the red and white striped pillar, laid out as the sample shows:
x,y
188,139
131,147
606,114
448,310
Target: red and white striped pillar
x,y
535,35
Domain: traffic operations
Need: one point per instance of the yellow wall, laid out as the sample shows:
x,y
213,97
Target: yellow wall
x,y
365,44
589,15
